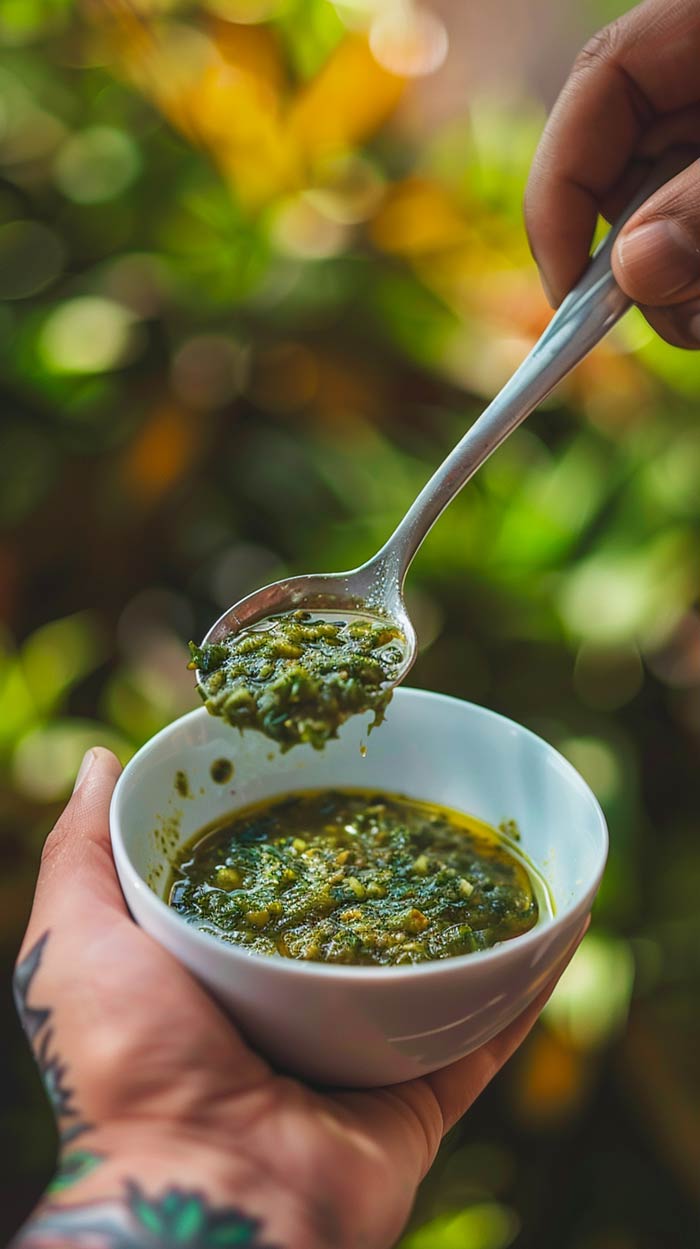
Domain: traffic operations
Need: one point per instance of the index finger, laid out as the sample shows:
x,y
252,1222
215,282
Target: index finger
x,y
639,68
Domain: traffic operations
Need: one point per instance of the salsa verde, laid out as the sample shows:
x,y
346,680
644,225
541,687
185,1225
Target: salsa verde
x,y
297,678
347,876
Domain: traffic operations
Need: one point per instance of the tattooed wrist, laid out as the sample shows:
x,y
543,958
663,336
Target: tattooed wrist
x,y
129,1219
172,1194
115,1187
134,1219
177,1195
37,1022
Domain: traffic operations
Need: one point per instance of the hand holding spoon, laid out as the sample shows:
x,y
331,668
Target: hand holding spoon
x,y
376,588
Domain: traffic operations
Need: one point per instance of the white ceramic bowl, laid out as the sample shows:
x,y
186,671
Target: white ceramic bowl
x,y
366,1025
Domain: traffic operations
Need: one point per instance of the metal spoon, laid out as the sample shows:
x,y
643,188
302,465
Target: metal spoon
x,y
376,588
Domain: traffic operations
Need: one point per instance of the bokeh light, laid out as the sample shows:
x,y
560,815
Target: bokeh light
x,y
300,228
96,164
47,759
208,370
88,334
487,1225
596,761
348,189
141,282
608,678
408,40
591,1001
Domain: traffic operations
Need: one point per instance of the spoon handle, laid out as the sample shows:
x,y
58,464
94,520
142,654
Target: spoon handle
x,y
589,311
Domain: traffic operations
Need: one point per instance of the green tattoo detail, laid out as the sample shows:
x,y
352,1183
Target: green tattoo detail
x,y
177,1220
183,1218
73,1167
36,1021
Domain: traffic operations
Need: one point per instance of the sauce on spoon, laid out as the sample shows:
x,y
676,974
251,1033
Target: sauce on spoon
x,y
298,676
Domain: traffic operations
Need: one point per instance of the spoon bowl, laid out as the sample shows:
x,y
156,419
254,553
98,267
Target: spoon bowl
x,y
368,592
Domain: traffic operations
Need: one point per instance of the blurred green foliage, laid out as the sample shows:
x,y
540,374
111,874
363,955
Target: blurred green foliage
x,y
243,314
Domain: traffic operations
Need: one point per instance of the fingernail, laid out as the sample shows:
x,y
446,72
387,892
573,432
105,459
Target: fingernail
x,y
659,259
88,760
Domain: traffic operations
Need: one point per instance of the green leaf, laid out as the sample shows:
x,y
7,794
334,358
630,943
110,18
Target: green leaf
x,y
418,322
46,759
17,707
311,29
58,655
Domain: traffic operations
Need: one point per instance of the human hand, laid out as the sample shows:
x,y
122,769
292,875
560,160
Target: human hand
x,y
633,92
173,1132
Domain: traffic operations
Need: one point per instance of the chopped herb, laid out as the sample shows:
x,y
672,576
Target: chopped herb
x,y
353,877
297,679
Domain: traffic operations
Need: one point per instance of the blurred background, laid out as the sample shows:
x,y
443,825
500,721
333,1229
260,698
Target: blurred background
x,y
261,263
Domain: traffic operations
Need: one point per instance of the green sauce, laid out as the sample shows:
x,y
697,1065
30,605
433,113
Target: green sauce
x,y
297,678
221,771
345,876
182,784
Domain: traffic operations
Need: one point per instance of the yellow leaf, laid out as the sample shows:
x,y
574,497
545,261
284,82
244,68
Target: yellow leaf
x,y
224,90
238,119
419,216
347,101
254,49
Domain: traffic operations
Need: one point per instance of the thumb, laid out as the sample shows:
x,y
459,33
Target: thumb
x,y
77,871
656,259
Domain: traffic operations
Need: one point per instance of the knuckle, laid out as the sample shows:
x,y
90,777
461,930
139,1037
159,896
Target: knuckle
x,y
683,330
601,49
674,326
678,200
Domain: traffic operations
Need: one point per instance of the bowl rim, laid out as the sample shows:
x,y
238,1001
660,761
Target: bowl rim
x,y
371,974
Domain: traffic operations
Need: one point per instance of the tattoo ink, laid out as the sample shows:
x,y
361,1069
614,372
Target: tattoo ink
x,y
177,1218
36,1022
32,1019
134,1221
72,1167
